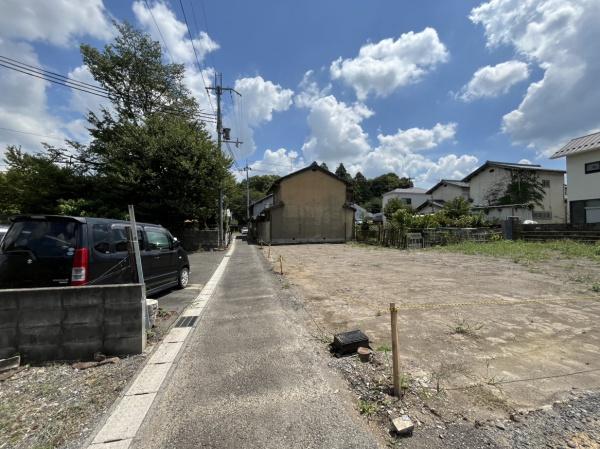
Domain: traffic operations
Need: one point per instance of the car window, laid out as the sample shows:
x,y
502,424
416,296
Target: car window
x,y
43,238
120,238
157,239
101,238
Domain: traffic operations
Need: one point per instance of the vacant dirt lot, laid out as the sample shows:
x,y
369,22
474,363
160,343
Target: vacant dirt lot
x,y
494,334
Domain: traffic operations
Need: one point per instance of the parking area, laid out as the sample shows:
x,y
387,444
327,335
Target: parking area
x,y
495,334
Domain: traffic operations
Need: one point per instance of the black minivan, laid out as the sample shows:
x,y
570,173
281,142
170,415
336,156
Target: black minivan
x,y
55,251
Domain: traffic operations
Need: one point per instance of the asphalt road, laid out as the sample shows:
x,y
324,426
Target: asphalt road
x,y
174,301
249,376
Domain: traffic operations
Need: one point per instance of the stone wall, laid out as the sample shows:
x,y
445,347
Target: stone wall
x,y
71,323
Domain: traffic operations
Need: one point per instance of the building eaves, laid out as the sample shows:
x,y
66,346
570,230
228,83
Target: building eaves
x,y
579,145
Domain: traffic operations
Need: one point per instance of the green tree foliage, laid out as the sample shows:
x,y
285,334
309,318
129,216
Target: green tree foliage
x,y
324,165
259,187
457,207
393,205
341,172
373,205
388,182
523,187
362,189
147,149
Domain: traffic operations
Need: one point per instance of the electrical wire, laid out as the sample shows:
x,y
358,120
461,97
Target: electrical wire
x,y
196,55
30,133
159,32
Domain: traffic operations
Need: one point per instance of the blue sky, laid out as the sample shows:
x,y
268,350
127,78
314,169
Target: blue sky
x,y
426,89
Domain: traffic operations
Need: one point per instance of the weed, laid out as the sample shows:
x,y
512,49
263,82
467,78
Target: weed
x,y
384,348
367,408
464,327
379,313
596,287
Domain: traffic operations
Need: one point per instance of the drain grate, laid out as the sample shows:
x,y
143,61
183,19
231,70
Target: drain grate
x,y
186,321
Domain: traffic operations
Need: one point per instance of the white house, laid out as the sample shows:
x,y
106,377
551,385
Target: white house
x,y
444,191
492,177
413,196
583,174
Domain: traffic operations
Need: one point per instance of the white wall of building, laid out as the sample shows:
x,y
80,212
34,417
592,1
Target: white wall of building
x,y
416,199
482,184
582,186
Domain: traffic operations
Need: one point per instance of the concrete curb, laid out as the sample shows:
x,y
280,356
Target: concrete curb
x,y
121,426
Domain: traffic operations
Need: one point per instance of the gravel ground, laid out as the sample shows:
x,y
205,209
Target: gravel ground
x,y
55,405
573,423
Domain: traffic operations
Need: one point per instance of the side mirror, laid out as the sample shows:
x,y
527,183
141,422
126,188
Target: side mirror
x,y
176,242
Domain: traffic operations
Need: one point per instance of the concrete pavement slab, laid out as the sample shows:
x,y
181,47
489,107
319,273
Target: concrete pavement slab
x,y
125,421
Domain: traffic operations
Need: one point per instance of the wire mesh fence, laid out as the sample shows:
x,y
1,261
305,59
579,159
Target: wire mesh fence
x,y
394,237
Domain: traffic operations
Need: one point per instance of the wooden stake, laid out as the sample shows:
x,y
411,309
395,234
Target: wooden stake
x,y
281,264
395,350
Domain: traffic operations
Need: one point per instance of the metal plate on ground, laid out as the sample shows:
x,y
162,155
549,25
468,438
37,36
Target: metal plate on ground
x,y
186,321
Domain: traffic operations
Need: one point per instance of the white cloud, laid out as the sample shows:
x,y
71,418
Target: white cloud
x,y
525,161
416,139
261,98
174,32
337,135
85,102
23,105
56,22
492,81
383,67
560,36
336,131
279,162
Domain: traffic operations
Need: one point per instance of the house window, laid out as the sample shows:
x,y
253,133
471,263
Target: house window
x,y
545,183
407,201
592,167
542,215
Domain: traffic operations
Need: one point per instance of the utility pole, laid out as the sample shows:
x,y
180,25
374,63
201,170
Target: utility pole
x,y
247,170
222,136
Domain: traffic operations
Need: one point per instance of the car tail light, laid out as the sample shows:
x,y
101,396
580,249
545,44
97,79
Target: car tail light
x,y
80,267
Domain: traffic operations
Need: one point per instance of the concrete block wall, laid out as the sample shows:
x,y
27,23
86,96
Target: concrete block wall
x,y
71,323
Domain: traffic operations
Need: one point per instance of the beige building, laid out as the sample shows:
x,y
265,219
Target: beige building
x,y
311,205
583,174
444,191
493,177
413,196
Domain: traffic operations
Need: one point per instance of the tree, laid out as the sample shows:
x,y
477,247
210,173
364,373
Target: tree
x,y
324,165
342,173
362,188
524,187
259,186
373,205
388,182
149,149
393,205
457,207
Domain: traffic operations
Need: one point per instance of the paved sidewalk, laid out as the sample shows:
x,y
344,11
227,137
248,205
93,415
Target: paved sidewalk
x,y
248,377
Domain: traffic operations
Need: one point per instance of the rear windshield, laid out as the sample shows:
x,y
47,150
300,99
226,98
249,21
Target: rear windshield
x,y
43,238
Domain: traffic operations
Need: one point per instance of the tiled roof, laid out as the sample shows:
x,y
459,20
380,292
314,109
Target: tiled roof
x,y
410,190
510,165
579,145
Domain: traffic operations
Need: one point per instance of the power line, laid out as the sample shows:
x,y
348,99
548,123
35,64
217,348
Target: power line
x,y
65,84
159,32
30,133
51,74
196,55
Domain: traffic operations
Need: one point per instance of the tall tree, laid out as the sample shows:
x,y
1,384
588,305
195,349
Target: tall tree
x,y
362,188
149,149
324,165
387,182
341,172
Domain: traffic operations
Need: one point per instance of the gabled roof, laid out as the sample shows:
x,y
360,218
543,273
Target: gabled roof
x,y
409,190
270,195
429,203
314,167
454,182
579,145
509,166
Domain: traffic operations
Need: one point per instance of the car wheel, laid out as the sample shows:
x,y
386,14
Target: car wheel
x,y
184,277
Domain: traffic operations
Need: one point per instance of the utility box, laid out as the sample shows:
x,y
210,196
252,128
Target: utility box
x,y
347,343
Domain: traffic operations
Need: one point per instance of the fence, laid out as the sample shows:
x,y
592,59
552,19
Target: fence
x,y
422,238
587,233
